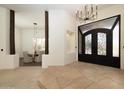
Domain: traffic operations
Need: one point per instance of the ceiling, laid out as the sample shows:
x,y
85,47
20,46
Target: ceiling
x,y
27,14
25,20
39,7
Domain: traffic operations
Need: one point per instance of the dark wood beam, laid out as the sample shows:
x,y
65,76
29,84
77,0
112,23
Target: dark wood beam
x,y
46,32
12,32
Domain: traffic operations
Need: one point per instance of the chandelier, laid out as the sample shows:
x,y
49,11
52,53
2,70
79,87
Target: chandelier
x,y
35,37
87,12
35,29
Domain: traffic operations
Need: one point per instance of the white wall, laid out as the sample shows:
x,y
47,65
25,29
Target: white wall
x,y
59,23
70,53
6,61
18,41
4,30
69,43
27,38
108,12
56,39
9,61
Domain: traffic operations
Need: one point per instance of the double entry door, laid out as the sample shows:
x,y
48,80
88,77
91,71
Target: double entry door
x,y
100,45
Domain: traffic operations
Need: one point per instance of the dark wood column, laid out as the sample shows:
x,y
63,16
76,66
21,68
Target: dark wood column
x,y
46,32
12,32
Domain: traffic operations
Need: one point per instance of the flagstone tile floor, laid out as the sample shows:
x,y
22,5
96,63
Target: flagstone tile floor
x,y
77,75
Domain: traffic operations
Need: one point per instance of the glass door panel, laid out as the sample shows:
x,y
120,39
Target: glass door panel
x,y
88,44
116,41
101,43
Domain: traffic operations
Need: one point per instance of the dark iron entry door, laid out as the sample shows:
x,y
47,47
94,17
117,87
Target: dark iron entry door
x,y
97,46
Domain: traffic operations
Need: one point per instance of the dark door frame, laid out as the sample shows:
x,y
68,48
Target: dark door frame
x,y
93,58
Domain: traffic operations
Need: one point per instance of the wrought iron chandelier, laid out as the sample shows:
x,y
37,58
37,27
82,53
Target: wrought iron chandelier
x,y
87,12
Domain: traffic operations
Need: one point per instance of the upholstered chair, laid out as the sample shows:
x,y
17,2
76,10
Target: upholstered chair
x,y
27,58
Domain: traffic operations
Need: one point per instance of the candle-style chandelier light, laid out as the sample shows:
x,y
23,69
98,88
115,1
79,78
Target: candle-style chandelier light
x,y
87,12
35,37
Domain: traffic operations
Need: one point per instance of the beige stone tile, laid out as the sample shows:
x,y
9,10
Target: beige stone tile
x,y
79,83
71,73
54,73
63,81
64,75
117,76
24,77
74,75
41,86
25,84
48,80
92,74
106,83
